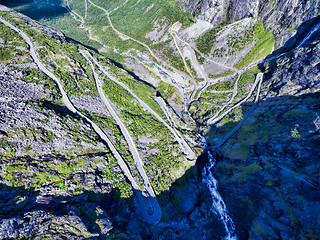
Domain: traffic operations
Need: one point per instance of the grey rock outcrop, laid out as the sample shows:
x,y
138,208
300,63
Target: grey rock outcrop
x,y
284,17
268,171
281,17
295,73
217,11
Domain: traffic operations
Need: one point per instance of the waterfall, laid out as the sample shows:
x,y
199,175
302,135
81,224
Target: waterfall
x,y
218,205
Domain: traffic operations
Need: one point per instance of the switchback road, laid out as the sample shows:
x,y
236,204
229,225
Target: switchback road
x,y
156,216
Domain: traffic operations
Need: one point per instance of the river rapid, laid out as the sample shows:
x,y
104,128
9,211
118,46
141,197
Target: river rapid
x,y
218,205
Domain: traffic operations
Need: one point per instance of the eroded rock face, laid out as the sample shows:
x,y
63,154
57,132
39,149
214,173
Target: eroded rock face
x,y
281,17
269,170
297,72
217,11
284,16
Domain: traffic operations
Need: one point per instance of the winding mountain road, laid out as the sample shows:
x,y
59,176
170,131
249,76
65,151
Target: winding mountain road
x,y
186,67
213,121
123,36
127,136
234,94
126,37
185,147
202,55
183,144
259,78
150,218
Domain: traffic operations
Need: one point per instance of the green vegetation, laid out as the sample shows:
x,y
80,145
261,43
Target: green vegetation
x,y
239,40
236,115
223,74
164,162
64,60
252,168
192,70
70,27
5,54
144,17
169,54
219,52
9,36
199,57
27,149
145,92
98,22
12,43
263,46
63,174
214,97
136,25
36,76
141,123
202,110
206,40
246,81
295,133
178,100
166,90
221,86
4,143
249,132
61,56
196,94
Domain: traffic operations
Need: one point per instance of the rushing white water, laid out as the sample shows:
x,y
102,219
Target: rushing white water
x,y
309,35
218,205
316,28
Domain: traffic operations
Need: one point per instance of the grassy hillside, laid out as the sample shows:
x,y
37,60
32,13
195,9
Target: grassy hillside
x,y
156,144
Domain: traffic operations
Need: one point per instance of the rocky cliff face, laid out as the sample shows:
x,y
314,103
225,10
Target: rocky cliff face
x,y
284,17
217,11
58,180
269,170
281,17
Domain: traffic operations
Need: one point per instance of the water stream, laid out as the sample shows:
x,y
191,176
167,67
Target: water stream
x,y
218,205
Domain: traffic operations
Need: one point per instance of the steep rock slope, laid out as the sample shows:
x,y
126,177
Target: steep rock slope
x,y
217,11
269,170
281,17
58,180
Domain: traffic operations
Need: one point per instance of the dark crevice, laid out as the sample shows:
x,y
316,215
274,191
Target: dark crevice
x,y
132,74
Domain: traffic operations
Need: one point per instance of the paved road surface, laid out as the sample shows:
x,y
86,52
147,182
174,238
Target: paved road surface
x,y
152,219
126,37
183,144
187,68
132,146
216,120
212,120
259,79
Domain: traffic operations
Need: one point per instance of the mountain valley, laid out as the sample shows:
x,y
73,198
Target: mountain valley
x,y
146,119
